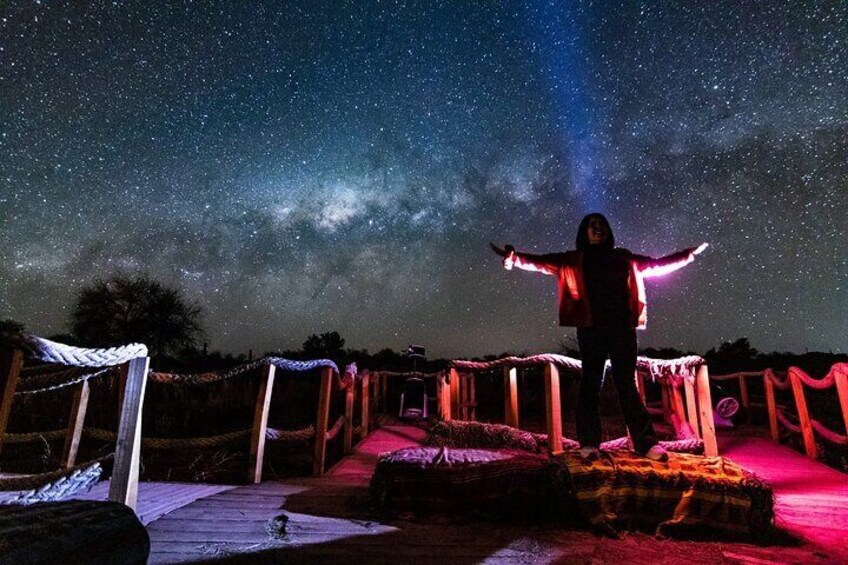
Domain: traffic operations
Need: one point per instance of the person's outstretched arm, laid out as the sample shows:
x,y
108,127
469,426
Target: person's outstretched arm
x,y
650,267
548,264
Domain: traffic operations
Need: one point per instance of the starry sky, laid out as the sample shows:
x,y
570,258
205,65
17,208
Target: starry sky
x,y
302,167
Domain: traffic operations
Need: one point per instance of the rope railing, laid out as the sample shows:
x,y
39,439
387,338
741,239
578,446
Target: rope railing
x,y
659,369
51,486
335,429
46,378
534,360
784,420
159,443
30,437
736,376
74,371
409,374
63,381
823,383
778,380
217,376
59,353
686,375
827,434
796,380
260,432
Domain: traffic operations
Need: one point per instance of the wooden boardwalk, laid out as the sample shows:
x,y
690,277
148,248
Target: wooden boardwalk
x,y
328,520
157,499
811,498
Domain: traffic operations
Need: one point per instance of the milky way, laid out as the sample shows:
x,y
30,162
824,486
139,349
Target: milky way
x,y
308,167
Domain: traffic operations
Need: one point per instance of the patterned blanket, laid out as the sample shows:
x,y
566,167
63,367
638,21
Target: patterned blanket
x,y
498,470
689,496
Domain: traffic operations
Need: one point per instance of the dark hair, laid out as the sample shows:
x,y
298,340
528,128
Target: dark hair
x,y
582,240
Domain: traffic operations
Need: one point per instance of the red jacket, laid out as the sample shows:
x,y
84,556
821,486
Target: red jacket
x,y
574,308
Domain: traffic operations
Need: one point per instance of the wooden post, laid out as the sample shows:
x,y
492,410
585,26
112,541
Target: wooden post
x,y
691,406
76,421
554,415
640,386
375,387
260,424
666,404
743,392
466,389
323,420
366,403
16,361
771,403
803,413
511,396
463,411
677,402
472,397
384,393
123,487
454,392
841,379
705,411
444,398
348,424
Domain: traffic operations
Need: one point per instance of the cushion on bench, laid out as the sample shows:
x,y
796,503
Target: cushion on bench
x,y
424,479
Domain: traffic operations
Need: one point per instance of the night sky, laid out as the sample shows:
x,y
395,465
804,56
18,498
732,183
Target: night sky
x,y
304,167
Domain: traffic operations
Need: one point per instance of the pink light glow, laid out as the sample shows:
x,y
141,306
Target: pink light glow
x,y
652,272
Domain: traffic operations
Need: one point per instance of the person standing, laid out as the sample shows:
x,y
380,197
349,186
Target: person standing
x,y
602,294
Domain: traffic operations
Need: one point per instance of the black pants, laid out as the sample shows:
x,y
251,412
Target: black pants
x,y
620,345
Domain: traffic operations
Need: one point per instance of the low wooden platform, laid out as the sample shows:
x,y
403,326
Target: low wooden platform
x,y
329,520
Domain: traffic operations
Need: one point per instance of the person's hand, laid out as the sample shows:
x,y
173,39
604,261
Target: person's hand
x,y
508,254
700,248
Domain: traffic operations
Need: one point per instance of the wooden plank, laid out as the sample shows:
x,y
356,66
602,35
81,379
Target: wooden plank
x,y
366,403
511,396
743,392
772,407
325,393
691,406
803,413
76,421
705,410
123,487
11,376
260,424
444,397
384,393
348,424
841,379
463,396
553,408
666,403
472,396
454,393
677,403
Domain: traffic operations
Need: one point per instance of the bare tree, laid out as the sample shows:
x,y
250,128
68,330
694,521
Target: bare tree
x,y
124,309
